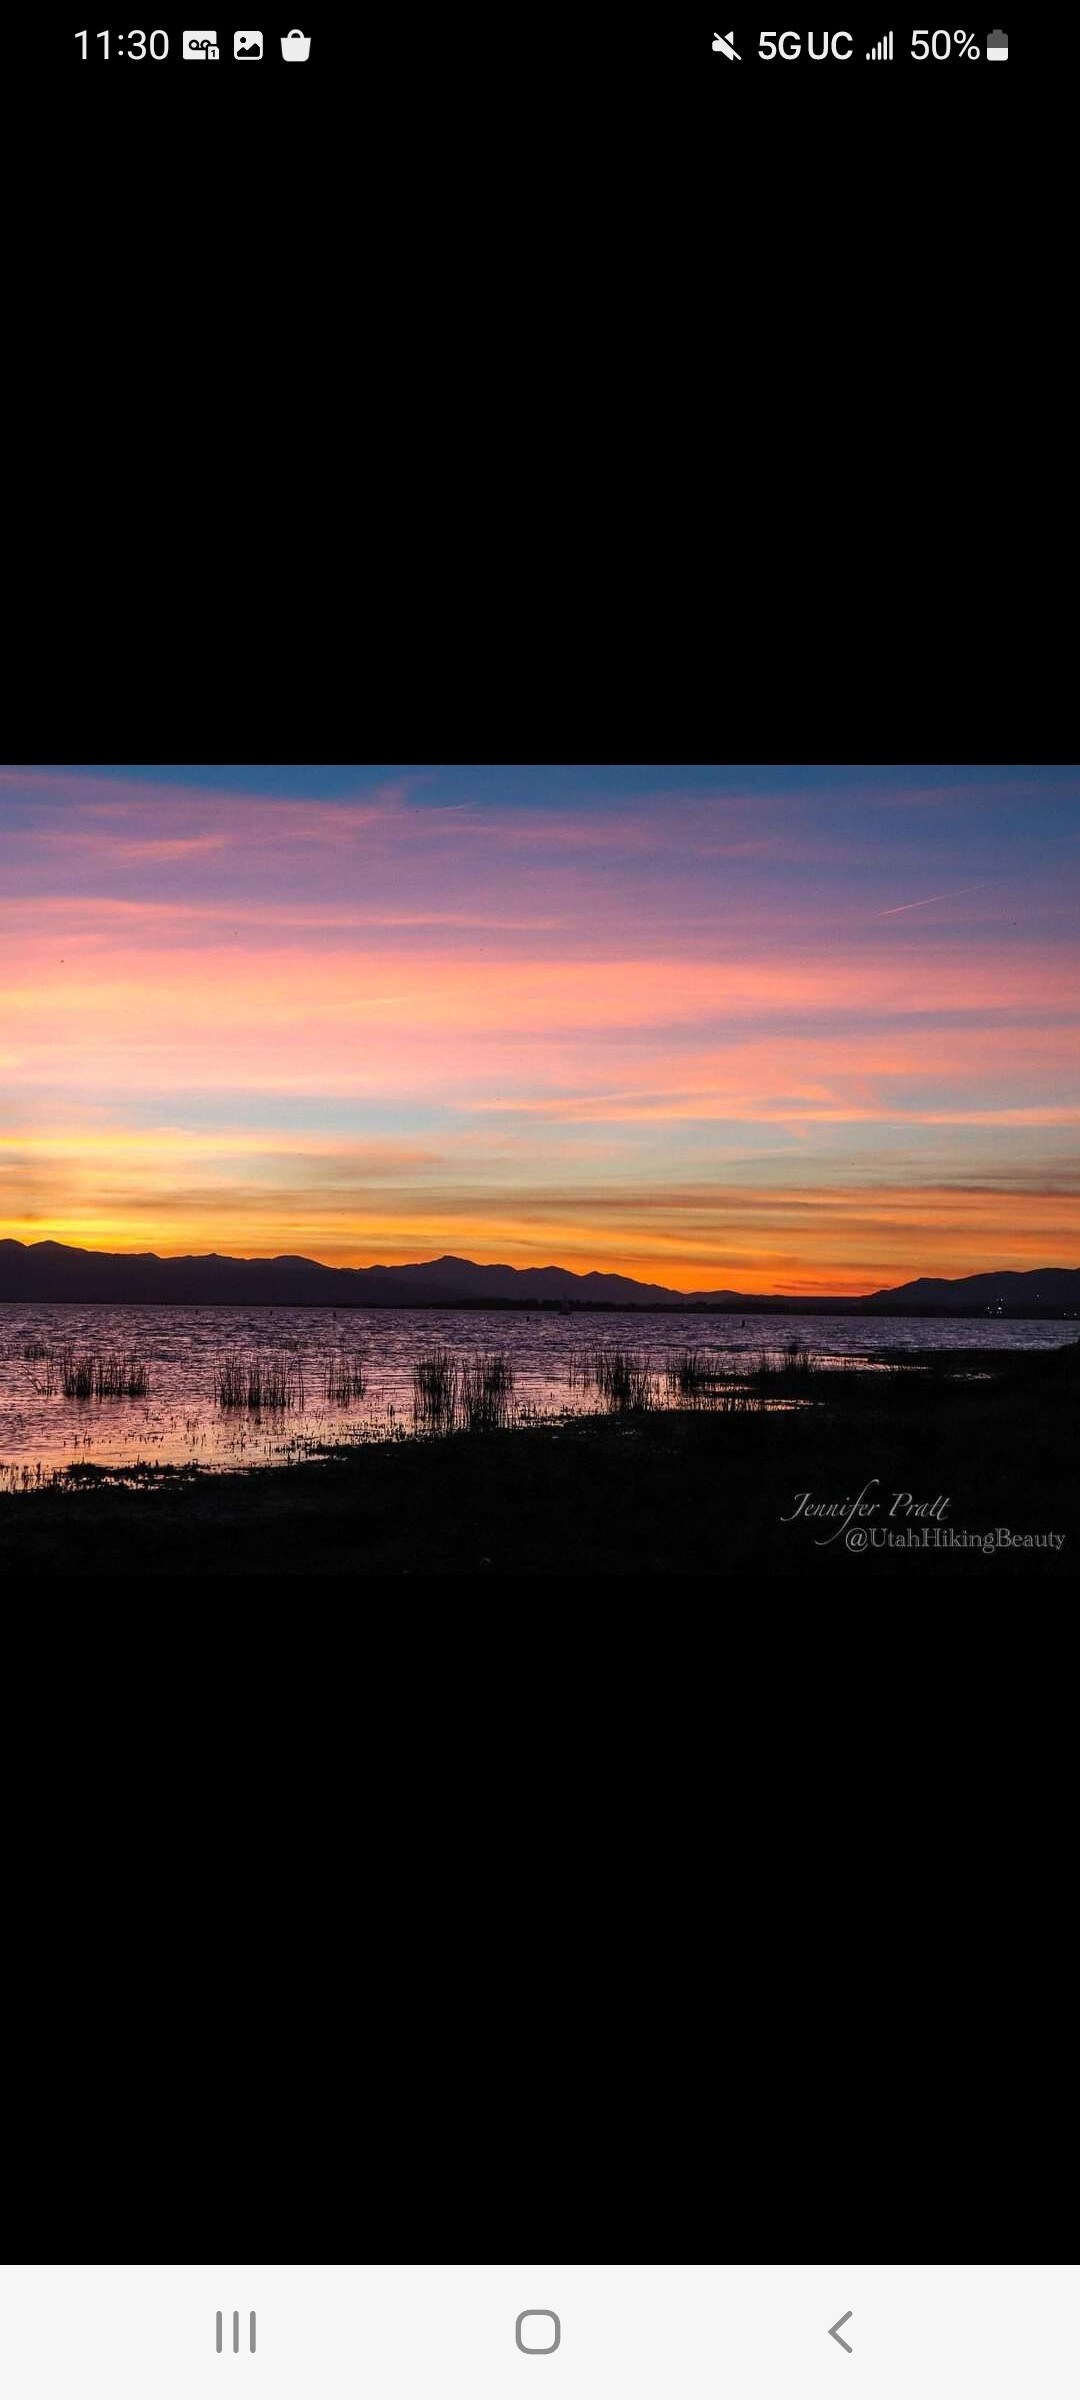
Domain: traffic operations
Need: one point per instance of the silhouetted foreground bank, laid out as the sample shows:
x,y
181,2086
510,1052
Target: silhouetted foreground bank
x,y
922,1470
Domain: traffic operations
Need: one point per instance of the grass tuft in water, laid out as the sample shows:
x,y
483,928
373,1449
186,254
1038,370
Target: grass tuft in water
x,y
263,1381
706,1379
26,1479
344,1379
623,1378
486,1389
435,1382
791,1368
103,1375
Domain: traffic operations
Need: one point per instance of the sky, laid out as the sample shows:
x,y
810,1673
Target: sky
x,y
775,1028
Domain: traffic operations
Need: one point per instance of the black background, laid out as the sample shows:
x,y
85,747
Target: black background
x,y
553,375
611,126
603,126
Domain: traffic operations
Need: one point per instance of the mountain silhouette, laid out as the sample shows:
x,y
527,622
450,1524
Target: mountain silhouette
x,y
55,1271
984,1291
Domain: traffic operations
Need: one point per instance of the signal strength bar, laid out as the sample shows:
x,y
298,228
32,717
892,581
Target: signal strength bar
x,y
882,49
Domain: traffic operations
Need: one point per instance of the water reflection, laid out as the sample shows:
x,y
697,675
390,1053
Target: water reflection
x,y
323,1377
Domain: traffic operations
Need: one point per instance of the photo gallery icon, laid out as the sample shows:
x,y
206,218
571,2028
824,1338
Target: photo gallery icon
x,y
247,45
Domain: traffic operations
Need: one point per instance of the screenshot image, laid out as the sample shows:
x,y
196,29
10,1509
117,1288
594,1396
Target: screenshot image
x,y
560,2333
461,1169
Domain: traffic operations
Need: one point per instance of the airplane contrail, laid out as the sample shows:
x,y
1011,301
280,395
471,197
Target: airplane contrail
x,y
958,895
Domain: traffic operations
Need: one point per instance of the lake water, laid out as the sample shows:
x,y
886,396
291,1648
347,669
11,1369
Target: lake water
x,y
179,1420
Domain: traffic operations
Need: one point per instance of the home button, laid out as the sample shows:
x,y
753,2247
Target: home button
x,y
538,2349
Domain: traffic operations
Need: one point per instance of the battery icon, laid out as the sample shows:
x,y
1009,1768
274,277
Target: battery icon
x,y
998,44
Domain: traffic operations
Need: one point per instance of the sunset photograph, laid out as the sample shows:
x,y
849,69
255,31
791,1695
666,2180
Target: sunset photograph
x,y
565,1170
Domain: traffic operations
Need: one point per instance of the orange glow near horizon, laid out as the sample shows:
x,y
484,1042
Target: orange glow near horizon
x,y
264,1194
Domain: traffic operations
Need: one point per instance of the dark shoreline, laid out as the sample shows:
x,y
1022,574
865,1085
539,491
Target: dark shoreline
x,y
694,1493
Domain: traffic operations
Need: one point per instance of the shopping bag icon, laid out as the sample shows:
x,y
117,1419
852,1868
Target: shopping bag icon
x,y
295,45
